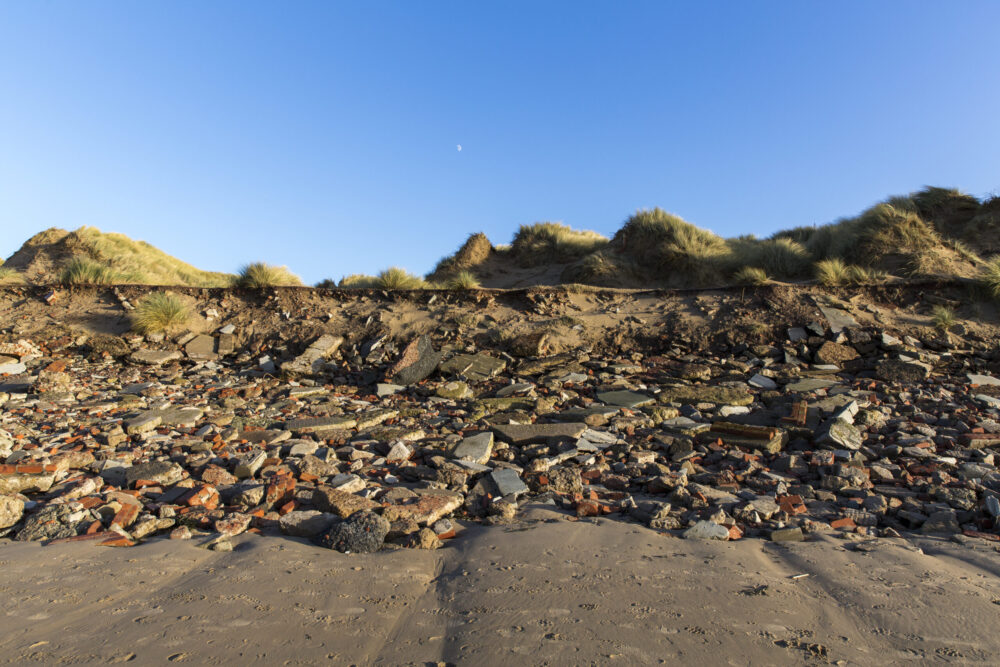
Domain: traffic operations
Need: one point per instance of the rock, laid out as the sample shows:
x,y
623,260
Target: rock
x,y
476,448
232,524
363,532
474,367
532,344
201,348
417,362
624,399
50,523
507,482
454,390
526,434
154,357
162,473
706,530
144,423
835,353
306,523
313,360
809,384
12,368
982,380
943,521
837,433
341,503
692,395
25,480
838,319
248,464
425,538
425,507
398,453
11,510
787,535
320,424
900,372
763,382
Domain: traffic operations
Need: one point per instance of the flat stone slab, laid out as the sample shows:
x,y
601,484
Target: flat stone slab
x,y
179,416
476,448
983,380
15,368
526,434
321,424
144,423
624,399
314,358
155,357
809,384
508,482
838,319
417,362
694,394
763,382
475,367
201,348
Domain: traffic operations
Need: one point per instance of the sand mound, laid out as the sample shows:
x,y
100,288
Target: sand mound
x,y
45,255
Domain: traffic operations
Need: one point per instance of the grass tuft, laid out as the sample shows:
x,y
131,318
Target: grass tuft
x,y
943,318
550,242
750,275
83,271
259,274
476,250
358,281
832,272
397,278
989,278
669,248
159,312
463,280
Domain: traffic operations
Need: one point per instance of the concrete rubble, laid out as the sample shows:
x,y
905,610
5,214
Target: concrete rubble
x,y
361,446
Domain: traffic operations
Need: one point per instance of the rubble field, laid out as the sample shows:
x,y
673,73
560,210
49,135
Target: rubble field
x,y
366,420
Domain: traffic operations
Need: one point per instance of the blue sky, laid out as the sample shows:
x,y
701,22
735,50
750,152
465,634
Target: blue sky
x,y
324,135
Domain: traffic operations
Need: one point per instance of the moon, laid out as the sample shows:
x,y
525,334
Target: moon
x,y
459,147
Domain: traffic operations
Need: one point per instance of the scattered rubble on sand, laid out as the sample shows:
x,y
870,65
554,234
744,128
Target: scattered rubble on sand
x,y
371,444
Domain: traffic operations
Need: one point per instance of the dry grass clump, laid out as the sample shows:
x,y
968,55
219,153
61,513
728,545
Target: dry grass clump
x,y
835,273
259,274
83,271
666,247
750,275
947,209
159,312
601,268
989,277
358,281
463,280
476,250
9,276
397,278
552,242
886,230
943,318
781,257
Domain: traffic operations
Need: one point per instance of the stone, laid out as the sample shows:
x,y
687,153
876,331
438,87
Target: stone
x,y
624,399
763,382
341,503
839,433
12,368
425,538
154,357
476,448
398,453
900,372
507,482
809,384
201,348
718,395
526,434
425,507
454,390
52,522
179,417
416,363
233,524
983,380
838,319
943,521
249,464
835,353
313,360
473,367
787,535
346,482
320,424
363,532
162,473
306,523
26,482
11,510
144,423
706,530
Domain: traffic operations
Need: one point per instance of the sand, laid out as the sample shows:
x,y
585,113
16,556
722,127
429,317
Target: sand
x,y
547,590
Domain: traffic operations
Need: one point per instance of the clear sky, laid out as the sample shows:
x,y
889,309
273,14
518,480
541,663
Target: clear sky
x,y
324,135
